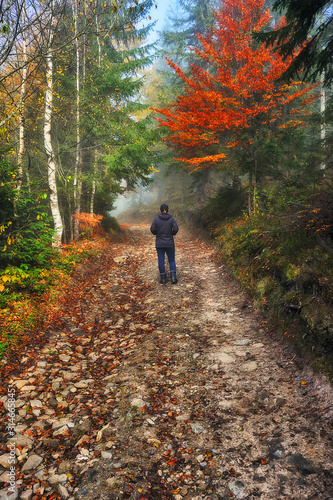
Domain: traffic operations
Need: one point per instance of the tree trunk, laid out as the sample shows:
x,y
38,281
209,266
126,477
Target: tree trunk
x,y
77,172
51,173
249,197
98,42
254,209
203,184
323,125
22,105
93,191
93,187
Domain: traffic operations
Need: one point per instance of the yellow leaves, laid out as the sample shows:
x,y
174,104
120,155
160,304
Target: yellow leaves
x,y
6,279
291,124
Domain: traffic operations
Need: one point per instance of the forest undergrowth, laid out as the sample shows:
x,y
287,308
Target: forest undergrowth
x,y
30,297
283,258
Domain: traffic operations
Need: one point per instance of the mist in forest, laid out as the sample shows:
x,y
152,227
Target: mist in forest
x,y
132,201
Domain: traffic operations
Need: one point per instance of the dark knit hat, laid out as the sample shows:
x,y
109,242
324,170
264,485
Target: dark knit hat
x,y
164,207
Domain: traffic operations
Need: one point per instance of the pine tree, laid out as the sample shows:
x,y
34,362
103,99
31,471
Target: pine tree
x,y
189,18
307,29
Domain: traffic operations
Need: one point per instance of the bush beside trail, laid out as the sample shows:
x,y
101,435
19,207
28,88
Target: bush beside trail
x,y
283,257
31,292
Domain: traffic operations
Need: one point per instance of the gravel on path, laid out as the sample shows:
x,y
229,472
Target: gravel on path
x,y
176,391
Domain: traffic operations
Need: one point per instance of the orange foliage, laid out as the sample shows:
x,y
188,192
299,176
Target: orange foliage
x,y
238,92
89,223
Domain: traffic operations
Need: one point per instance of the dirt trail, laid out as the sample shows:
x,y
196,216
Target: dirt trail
x,y
176,392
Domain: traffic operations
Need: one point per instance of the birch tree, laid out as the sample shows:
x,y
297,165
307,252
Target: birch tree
x,y
77,172
51,161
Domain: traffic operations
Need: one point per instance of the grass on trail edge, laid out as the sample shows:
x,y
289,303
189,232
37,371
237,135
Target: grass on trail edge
x,y
288,272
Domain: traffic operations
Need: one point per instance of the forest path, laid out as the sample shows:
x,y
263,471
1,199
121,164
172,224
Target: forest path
x,y
144,391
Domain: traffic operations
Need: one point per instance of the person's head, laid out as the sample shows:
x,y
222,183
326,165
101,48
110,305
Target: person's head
x,y
164,208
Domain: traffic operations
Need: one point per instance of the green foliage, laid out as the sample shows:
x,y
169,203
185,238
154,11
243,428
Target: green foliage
x,y
27,294
27,237
16,282
308,30
227,201
281,254
7,191
110,224
25,230
72,255
187,19
29,244
28,263
3,347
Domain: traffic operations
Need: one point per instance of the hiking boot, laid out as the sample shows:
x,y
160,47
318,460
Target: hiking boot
x,y
173,277
163,279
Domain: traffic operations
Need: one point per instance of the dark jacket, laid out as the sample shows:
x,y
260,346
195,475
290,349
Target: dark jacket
x,y
164,227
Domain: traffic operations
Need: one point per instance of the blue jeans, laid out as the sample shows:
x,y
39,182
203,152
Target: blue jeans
x,y
171,258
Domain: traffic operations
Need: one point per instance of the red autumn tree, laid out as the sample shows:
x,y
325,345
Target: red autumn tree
x,y
227,106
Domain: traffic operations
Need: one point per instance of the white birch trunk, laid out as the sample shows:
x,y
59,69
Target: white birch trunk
x,y
77,183
92,199
93,187
51,172
84,47
98,43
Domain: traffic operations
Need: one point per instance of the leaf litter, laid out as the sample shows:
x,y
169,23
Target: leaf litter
x,y
143,391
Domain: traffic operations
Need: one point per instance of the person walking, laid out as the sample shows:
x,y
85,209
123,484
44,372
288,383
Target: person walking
x,y
164,227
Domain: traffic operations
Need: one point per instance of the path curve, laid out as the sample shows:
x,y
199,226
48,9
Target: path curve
x,y
166,392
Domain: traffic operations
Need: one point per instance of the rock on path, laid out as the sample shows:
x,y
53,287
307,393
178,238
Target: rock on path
x,y
165,392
